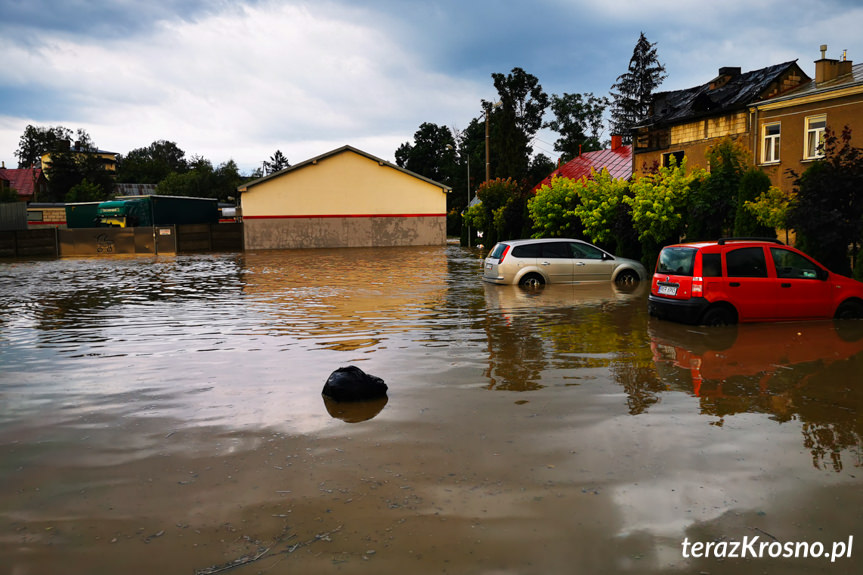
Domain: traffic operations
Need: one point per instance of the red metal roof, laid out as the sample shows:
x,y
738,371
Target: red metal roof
x,y
22,180
618,162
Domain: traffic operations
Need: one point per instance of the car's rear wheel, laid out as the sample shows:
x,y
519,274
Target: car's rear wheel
x,y
627,278
719,315
851,309
532,280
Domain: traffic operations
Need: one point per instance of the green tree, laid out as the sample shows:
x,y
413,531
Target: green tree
x,y
86,191
432,154
578,118
771,208
659,206
633,91
515,122
753,184
38,141
502,213
552,210
277,162
71,164
152,164
828,212
600,207
713,203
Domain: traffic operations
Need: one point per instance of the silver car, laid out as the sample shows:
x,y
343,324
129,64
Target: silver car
x,y
557,260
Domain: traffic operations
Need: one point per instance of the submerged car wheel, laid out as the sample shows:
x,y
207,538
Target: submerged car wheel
x,y
627,278
719,315
532,280
851,309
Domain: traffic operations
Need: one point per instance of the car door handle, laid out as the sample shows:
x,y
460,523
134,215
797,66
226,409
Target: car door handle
x,y
546,263
734,284
785,285
579,263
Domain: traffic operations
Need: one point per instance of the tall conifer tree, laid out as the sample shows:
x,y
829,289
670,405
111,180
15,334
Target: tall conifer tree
x,y
633,91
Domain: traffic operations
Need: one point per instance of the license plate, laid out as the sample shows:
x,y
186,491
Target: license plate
x,y
667,290
488,266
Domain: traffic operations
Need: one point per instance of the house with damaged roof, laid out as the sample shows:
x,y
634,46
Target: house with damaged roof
x,y
687,122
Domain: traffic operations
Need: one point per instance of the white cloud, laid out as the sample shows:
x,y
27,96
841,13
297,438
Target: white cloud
x,y
244,82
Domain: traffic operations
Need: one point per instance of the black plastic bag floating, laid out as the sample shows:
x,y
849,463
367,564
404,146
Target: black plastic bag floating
x,y
353,384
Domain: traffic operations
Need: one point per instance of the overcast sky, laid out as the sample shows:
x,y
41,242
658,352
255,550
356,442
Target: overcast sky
x,y
231,79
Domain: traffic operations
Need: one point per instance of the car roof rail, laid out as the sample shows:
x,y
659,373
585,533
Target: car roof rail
x,y
722,241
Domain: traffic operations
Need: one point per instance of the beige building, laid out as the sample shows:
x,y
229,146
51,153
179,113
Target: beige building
x,y
789,129
344,198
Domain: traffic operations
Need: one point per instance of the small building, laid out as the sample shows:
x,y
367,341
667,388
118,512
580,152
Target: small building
x,y
344,198
617,160
688,122
789,129
29,183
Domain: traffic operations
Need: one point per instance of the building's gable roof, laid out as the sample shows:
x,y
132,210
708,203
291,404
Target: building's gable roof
x,y
740,90
312,161
618,162
22,180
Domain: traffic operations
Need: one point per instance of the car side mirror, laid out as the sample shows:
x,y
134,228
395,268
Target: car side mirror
x,y
823,274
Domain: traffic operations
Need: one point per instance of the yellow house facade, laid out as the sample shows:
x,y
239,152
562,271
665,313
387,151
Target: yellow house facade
x,y
344,198
790,129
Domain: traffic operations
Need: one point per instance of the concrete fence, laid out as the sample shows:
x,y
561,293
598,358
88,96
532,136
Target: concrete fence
x,y
54,242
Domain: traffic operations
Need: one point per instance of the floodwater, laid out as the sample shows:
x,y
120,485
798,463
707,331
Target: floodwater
x,y
164,415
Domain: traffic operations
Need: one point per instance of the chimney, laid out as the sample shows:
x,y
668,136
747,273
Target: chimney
x,y
726,73
616,142
827,69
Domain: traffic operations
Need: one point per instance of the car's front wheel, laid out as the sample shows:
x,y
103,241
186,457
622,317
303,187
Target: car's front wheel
x,y
532,280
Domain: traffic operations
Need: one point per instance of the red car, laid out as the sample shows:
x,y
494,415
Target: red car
x,y
747,280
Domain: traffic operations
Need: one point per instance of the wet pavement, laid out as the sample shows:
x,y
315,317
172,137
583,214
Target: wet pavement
x,y
164,415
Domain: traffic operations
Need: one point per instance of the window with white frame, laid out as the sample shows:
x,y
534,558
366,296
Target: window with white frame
x,y
815,126
770,137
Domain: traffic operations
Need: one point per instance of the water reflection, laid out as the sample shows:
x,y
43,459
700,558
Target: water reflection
x,y
565,335
354,411
345,300
806,372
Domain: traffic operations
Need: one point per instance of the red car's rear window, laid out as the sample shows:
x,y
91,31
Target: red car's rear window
x,y
676,261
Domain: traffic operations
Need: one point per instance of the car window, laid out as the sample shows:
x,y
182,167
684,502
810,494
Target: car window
x,y
792,265
746,263
556,250
711,265
496,251
527,251
676,261
585,251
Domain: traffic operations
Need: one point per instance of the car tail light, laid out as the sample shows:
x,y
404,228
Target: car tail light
x,y
697,287
503,255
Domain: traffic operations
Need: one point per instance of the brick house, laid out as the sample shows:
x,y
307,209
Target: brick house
x,y
687,122
788,129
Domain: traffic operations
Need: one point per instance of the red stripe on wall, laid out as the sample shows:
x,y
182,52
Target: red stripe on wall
x,y
318,216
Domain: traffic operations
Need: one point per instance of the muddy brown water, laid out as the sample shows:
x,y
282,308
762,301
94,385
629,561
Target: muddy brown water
x,y
164,415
